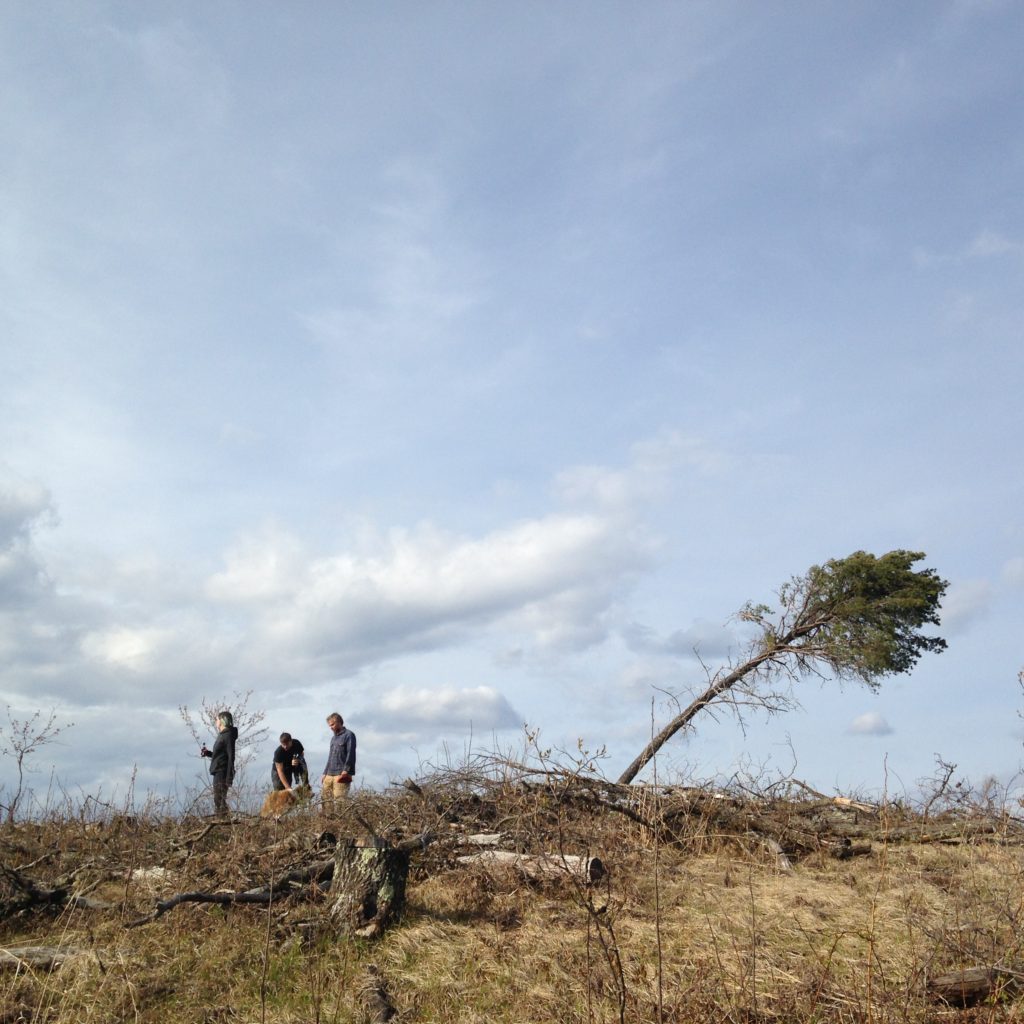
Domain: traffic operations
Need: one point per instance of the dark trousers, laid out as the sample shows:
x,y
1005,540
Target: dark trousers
x,y
220,794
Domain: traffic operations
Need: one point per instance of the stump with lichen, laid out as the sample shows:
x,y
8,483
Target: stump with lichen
x,y
368,888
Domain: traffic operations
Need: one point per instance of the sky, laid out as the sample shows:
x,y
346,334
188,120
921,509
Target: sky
x,y
465,367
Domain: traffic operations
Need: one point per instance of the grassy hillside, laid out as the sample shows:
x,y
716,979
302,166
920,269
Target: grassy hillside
x,y
713,906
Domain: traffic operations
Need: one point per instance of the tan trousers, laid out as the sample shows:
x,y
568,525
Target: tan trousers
x,y
333,791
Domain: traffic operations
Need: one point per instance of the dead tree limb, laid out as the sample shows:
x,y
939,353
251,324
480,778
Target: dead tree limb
x,y
222,898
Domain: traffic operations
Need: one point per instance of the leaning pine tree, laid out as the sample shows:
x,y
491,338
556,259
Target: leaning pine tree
x,y
855,618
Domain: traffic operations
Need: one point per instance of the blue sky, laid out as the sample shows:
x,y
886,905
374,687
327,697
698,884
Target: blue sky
x,y
459,366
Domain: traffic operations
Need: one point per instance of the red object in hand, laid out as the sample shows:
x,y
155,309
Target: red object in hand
x,y
344,777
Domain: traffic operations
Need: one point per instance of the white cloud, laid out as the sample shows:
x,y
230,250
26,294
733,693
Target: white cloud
x,y
279,614
423,588
430,710
265,564
870,724
134,649
23,505
964,603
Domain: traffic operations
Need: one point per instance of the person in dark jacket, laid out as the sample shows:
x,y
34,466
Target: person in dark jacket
x,y
222,761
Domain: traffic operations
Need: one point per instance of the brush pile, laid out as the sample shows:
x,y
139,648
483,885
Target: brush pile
x,y
513,893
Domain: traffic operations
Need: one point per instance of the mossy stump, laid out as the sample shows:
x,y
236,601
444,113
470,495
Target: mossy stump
x,y
368,888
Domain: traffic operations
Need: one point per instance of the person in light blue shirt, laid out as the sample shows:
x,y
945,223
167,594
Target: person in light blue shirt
x,y
341,763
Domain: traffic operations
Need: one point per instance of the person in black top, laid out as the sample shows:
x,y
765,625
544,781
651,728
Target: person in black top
x,y
222,761
289,764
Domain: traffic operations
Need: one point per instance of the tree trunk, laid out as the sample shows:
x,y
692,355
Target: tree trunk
x,y
775,654
715,690
368,888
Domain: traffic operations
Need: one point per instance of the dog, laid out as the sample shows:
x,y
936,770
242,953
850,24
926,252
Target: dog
x,y
281,801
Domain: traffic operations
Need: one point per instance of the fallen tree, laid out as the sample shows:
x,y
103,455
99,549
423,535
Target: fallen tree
x,y
856,619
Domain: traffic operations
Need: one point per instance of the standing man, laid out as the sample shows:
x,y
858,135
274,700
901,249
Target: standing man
x,y
341,763
289,764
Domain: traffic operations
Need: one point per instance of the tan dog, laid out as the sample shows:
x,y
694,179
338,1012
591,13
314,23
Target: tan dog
x,y
281,801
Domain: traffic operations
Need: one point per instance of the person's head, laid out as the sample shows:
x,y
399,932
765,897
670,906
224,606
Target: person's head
x,y
224,721
335,722
286,740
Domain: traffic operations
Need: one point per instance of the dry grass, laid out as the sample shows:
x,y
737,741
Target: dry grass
x,y
691,924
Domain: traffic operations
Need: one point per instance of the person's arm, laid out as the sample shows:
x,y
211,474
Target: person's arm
x,y
230,744
279,767
348,758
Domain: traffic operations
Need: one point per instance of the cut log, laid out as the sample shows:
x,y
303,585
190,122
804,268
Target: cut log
x,y
845,850
40,958
549,865
845,801
972,985
484,839
368,888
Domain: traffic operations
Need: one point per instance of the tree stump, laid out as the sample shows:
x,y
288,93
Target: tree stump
x,y
368,888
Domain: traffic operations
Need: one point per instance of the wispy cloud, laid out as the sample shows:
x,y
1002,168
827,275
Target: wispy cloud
x,y
653,464
407,278
986,245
